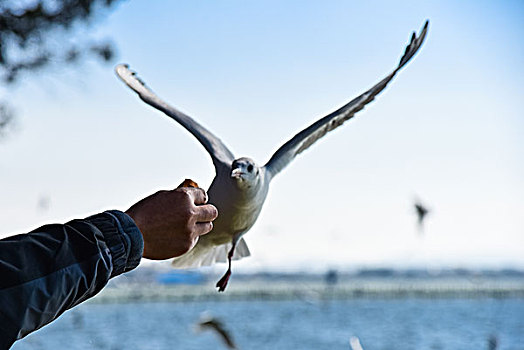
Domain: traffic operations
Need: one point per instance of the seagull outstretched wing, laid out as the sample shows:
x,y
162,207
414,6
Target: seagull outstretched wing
x,y
220,154
285,154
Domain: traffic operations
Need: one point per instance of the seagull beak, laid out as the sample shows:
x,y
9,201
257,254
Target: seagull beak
x,y
237,173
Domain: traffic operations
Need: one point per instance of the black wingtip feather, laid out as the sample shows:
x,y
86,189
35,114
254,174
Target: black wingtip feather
x,y
414,45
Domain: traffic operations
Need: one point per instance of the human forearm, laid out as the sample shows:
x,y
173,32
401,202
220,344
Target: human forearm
x,y
55,267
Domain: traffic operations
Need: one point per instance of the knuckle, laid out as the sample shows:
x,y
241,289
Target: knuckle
x,y
190,213
184,193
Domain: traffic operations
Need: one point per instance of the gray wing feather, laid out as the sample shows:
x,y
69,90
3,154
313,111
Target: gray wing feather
x,y
285,154
219,153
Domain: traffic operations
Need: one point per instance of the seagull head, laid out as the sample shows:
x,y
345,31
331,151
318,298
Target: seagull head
x,y
244,171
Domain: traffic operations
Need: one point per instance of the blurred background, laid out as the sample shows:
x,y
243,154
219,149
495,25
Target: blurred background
x,y
338,251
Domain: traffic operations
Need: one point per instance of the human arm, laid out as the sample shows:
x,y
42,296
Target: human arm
x,y
55,267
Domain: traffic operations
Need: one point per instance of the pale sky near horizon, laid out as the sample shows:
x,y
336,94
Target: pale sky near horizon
x,y
447,130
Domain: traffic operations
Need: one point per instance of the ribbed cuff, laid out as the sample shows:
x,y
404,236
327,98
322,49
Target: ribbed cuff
x,y
130,230
123,238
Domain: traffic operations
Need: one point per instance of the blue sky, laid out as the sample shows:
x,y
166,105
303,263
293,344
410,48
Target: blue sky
x,y
447,129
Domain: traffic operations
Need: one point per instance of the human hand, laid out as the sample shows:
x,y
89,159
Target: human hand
x,y
172,221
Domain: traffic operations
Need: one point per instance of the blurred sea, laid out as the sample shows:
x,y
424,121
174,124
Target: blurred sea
x,y
384,313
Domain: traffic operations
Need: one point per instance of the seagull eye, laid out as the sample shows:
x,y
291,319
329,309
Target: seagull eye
x,y
250,168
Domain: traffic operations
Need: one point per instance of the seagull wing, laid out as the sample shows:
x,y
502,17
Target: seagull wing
x,y
300,142
220,154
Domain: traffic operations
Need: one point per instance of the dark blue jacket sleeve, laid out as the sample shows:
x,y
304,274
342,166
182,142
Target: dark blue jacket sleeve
x,y
55,267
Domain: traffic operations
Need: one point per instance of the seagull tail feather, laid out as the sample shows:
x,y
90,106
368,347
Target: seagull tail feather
x,y
205,255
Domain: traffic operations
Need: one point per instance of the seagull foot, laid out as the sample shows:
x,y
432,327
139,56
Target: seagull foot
x,y
222,284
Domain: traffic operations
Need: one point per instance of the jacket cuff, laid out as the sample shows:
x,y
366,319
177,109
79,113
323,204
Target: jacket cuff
x,y
123,238
130,230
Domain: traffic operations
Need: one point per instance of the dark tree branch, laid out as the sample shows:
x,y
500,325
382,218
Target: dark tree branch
x,y
24,32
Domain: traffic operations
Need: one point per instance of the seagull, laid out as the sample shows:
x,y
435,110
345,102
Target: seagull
x,y
214,324
240,186
421,211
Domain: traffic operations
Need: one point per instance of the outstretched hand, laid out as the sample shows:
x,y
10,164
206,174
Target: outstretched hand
x,y
172,221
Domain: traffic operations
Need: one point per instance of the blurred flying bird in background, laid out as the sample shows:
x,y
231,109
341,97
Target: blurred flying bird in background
x,y
44,202
208,322
421,211
493,342
240,186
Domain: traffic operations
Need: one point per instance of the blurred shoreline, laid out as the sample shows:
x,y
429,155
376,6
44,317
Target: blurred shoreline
x,y
152,285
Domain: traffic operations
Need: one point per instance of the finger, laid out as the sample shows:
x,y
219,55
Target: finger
x,y
201,228
198,194
205,213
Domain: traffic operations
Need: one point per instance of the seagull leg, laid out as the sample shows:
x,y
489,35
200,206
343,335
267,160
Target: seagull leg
x,y
221,285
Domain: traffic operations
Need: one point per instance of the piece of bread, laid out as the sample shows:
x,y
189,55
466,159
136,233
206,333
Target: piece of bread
x,y
188,183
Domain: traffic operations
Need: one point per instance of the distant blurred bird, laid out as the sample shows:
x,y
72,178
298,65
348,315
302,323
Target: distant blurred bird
x,y
493,342
208,322
77,318
240,186
44,202
421,211
354,342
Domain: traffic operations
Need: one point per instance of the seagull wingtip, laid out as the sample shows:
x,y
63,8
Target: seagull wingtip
x,y
121,69
424,29
121,66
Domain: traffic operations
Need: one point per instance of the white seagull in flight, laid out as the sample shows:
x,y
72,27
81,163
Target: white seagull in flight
x,y
240,186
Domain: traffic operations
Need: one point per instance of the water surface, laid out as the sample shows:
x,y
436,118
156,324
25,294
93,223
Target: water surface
x,y
380,324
